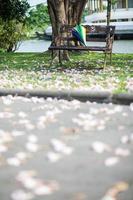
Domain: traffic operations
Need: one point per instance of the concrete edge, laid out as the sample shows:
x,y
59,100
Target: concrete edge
x,y
83,96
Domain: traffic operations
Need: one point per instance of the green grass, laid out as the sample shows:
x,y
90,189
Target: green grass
x,y
84,72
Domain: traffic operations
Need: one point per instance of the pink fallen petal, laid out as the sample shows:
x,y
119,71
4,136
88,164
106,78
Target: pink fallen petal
x,y
100,147
21,195
111,161
122,152
14,161
53,157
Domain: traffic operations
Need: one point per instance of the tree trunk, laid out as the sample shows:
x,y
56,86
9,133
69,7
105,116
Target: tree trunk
x,y
108,20
108,12
64,12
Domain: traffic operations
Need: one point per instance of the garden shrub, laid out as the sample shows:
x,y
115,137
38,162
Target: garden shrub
x,y
12,20
11,33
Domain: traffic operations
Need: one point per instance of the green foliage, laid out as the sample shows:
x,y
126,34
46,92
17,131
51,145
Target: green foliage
x,y
13,9
11,32
85,13
38,18
12,19
113,2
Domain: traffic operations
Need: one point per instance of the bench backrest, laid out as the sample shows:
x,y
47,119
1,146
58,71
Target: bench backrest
x,y
93,32
99,33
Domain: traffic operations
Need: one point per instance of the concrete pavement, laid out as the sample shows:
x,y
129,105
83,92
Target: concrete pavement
x,y
65,150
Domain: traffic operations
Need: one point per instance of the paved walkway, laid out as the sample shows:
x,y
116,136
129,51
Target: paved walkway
x,y
60,150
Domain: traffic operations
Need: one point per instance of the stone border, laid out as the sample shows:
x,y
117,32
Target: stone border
x,y
83,96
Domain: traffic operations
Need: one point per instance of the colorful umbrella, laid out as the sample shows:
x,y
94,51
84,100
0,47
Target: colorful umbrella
x,y
79,32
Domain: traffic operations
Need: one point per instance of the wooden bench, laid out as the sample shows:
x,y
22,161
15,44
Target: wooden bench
x,y
94,33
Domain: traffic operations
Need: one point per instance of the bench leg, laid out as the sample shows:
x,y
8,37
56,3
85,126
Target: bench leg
x,y
111,57
105,57
60,57
52,54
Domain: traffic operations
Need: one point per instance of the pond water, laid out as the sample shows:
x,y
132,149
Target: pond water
x,y
120,46
33,46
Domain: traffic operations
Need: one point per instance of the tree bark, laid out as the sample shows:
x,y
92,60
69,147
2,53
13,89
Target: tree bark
x,y
108,12
64,12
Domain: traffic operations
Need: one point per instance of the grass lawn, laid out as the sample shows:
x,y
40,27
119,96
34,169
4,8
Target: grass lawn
x,y
33,71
